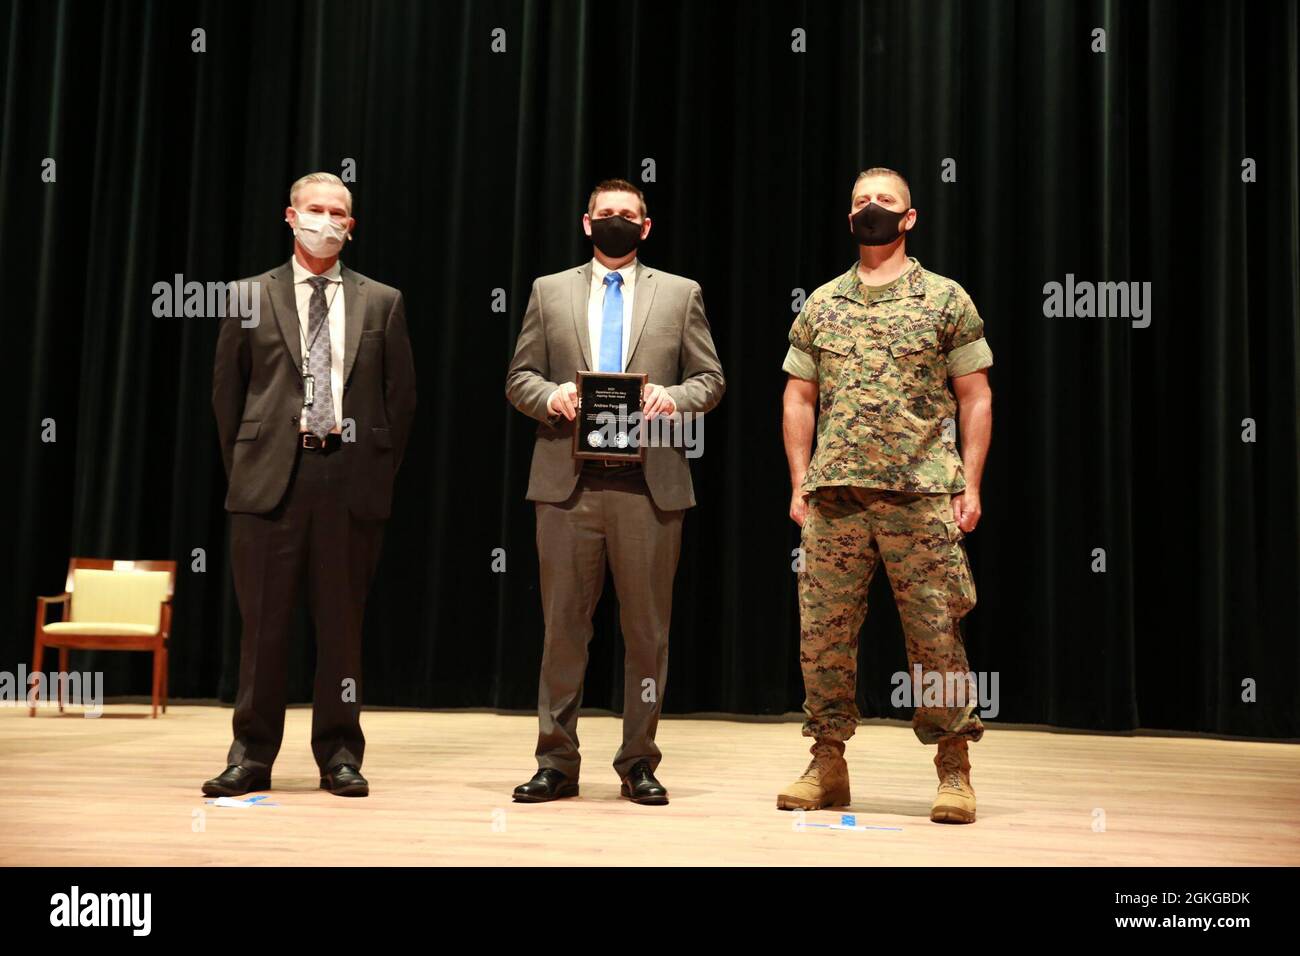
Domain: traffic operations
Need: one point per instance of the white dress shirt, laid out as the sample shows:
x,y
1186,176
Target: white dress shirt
x,y
335,327
596,309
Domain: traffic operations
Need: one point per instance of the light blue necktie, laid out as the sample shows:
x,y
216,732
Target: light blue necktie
x,y
611,326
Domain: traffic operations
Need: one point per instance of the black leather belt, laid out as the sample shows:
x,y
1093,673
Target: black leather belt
x,y
331,442
602,468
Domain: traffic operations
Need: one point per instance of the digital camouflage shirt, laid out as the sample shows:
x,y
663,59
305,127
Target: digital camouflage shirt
x,y
881,357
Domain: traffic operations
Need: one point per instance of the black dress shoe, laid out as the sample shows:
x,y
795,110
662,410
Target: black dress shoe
x,y
236,781
640,786
547,784
345,781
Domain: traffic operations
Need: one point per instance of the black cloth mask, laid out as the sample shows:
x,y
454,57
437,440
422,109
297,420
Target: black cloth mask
x,y
874,225
615,236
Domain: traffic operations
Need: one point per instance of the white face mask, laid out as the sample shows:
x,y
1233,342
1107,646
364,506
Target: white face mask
x,y
319,234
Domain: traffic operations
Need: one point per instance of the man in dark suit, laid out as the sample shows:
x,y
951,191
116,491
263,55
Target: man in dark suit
x,y
314,403
611,314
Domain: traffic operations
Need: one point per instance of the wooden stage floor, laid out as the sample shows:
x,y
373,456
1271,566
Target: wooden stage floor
x,y
124,790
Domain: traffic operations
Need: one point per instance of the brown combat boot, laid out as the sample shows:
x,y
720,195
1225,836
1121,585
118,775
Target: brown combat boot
x,y
955,801
824,784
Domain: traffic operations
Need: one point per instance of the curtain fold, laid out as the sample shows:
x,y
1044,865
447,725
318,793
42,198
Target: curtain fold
x,y
472,171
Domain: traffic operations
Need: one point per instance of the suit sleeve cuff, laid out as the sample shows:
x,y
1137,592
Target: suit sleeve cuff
x,y
678,394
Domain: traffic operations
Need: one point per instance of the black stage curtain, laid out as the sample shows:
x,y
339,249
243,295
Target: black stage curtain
x,y
472,170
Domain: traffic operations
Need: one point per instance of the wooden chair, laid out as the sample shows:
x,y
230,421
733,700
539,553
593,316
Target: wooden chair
x,y
110,606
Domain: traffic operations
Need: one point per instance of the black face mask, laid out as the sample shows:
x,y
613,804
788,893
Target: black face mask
x,y
874,225
615,236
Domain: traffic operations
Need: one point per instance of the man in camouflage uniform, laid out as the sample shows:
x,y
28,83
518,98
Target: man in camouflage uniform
x,y
873,353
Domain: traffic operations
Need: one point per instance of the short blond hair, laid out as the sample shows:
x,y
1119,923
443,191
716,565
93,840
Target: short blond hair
x,y
310,178
884,171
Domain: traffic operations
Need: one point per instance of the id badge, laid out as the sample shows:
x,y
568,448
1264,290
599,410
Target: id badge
x,y
309,389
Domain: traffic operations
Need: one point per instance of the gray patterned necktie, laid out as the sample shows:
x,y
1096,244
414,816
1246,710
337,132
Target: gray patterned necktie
x,y
320,414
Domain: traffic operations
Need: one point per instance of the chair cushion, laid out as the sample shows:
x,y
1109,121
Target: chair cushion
x,y
105,598
101,629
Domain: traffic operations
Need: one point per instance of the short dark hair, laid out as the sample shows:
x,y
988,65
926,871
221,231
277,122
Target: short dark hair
x,y
615,186
884,171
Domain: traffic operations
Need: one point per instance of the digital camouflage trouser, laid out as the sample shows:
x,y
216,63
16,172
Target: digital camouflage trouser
x,y
847,533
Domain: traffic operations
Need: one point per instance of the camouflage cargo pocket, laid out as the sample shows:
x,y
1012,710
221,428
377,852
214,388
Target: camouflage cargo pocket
x,y
918,364
961,583
834,355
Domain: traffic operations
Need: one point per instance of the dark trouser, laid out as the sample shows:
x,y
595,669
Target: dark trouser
x,y
311,534
605,518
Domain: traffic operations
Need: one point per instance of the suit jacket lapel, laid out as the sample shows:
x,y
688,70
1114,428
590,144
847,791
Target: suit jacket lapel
x,y
581,293
285,306
642,296
354,304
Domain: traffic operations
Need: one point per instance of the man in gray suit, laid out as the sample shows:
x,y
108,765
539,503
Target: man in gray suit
x,y
314,404
612,314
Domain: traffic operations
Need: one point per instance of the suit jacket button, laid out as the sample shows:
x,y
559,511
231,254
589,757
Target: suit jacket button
x,y
294,420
